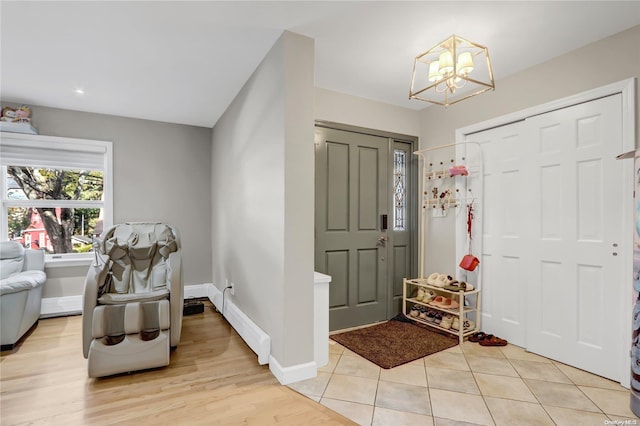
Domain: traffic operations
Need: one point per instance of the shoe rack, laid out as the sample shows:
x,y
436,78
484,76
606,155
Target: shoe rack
x,y
466,305
452,179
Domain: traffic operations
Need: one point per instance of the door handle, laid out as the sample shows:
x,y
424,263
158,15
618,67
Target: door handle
x,y
382,239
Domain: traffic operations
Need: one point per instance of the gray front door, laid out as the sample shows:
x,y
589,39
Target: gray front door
x,y
355,226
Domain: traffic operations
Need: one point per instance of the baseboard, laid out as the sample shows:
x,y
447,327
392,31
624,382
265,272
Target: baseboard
x,y
296,373
196,291
72,305
254,336
60,306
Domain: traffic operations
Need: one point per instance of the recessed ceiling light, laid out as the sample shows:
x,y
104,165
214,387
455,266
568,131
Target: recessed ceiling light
x,y
79,92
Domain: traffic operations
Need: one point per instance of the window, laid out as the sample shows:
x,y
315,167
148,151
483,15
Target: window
x,y
56,192
399,189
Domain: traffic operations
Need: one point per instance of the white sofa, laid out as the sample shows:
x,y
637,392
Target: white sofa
x,y
21,280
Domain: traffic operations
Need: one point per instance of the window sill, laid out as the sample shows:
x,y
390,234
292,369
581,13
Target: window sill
x,y
65,262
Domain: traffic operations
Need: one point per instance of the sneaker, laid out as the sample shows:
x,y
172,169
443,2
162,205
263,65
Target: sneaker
x,y
446,322
414,312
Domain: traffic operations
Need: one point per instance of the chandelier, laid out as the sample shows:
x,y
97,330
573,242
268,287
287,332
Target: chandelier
x,y
452,71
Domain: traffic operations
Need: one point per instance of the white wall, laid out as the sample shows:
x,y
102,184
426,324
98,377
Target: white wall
x,y
262,179
161,172
572,73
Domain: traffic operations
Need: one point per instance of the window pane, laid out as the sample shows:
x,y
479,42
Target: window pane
x,y
399,189
53,184
72,228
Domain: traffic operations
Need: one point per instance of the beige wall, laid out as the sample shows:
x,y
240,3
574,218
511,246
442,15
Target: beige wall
x,y
262,194
161,172
355,111
572,73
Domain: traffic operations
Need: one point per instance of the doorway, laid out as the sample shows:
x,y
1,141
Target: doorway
x,y
365,220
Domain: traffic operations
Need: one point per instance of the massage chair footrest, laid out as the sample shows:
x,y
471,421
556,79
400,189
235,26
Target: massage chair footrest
x,y
131,354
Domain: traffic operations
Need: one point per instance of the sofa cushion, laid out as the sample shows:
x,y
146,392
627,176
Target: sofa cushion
x,y
22,281
11,258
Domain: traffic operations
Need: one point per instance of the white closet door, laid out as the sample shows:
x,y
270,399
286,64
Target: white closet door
x,y
573,222
501,265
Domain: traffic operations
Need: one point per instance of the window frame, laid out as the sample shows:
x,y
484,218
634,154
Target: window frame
x,y
36,145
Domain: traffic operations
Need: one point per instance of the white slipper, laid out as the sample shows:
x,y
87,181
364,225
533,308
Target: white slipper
x,y
432,279
441,281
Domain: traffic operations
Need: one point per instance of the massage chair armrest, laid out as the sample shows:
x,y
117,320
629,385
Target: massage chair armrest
x,y
33,260
95,278
176,289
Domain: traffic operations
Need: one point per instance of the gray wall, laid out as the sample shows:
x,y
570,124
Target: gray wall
x,y
162,172
263,198
569,74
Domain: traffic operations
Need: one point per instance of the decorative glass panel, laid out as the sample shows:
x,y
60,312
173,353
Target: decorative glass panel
x,y
399,189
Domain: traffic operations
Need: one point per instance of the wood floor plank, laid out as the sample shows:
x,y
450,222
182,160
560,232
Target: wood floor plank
x,y
214,379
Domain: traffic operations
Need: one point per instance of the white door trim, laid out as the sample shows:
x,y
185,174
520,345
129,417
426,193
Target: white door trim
x,y
627,88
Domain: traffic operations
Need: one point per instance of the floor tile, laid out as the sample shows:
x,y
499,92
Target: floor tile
x,y
539,371
444,359
504,387
386,417
357,366
516,352
351,389
459,406
452,380
349,352
419,362
410,374
471,348
568,417
455,349
610,401
402,397
359,413
507,412
335,347
560,395
442,390
331,365
448,422
621,420
489,365
313,387
583,378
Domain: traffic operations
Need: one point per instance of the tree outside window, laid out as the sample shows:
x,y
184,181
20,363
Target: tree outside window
x,y
64,206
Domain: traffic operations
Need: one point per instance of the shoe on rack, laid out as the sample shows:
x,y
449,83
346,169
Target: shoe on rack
x,y
446,322
428,296
455,324
437,301
420,294
423,313
431,279
414,312
442,280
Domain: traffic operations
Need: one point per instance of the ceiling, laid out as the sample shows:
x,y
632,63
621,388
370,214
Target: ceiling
x,y
184,62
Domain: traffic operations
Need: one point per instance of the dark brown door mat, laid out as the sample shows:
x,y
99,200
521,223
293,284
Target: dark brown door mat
x,y
394,342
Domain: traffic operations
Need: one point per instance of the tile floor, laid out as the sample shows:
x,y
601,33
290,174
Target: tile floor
x,y
467,385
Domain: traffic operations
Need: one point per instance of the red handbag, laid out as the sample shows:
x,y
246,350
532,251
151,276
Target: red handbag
x,y
469,261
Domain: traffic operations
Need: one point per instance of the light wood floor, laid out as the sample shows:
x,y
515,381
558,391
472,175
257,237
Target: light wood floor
x,y
213,379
